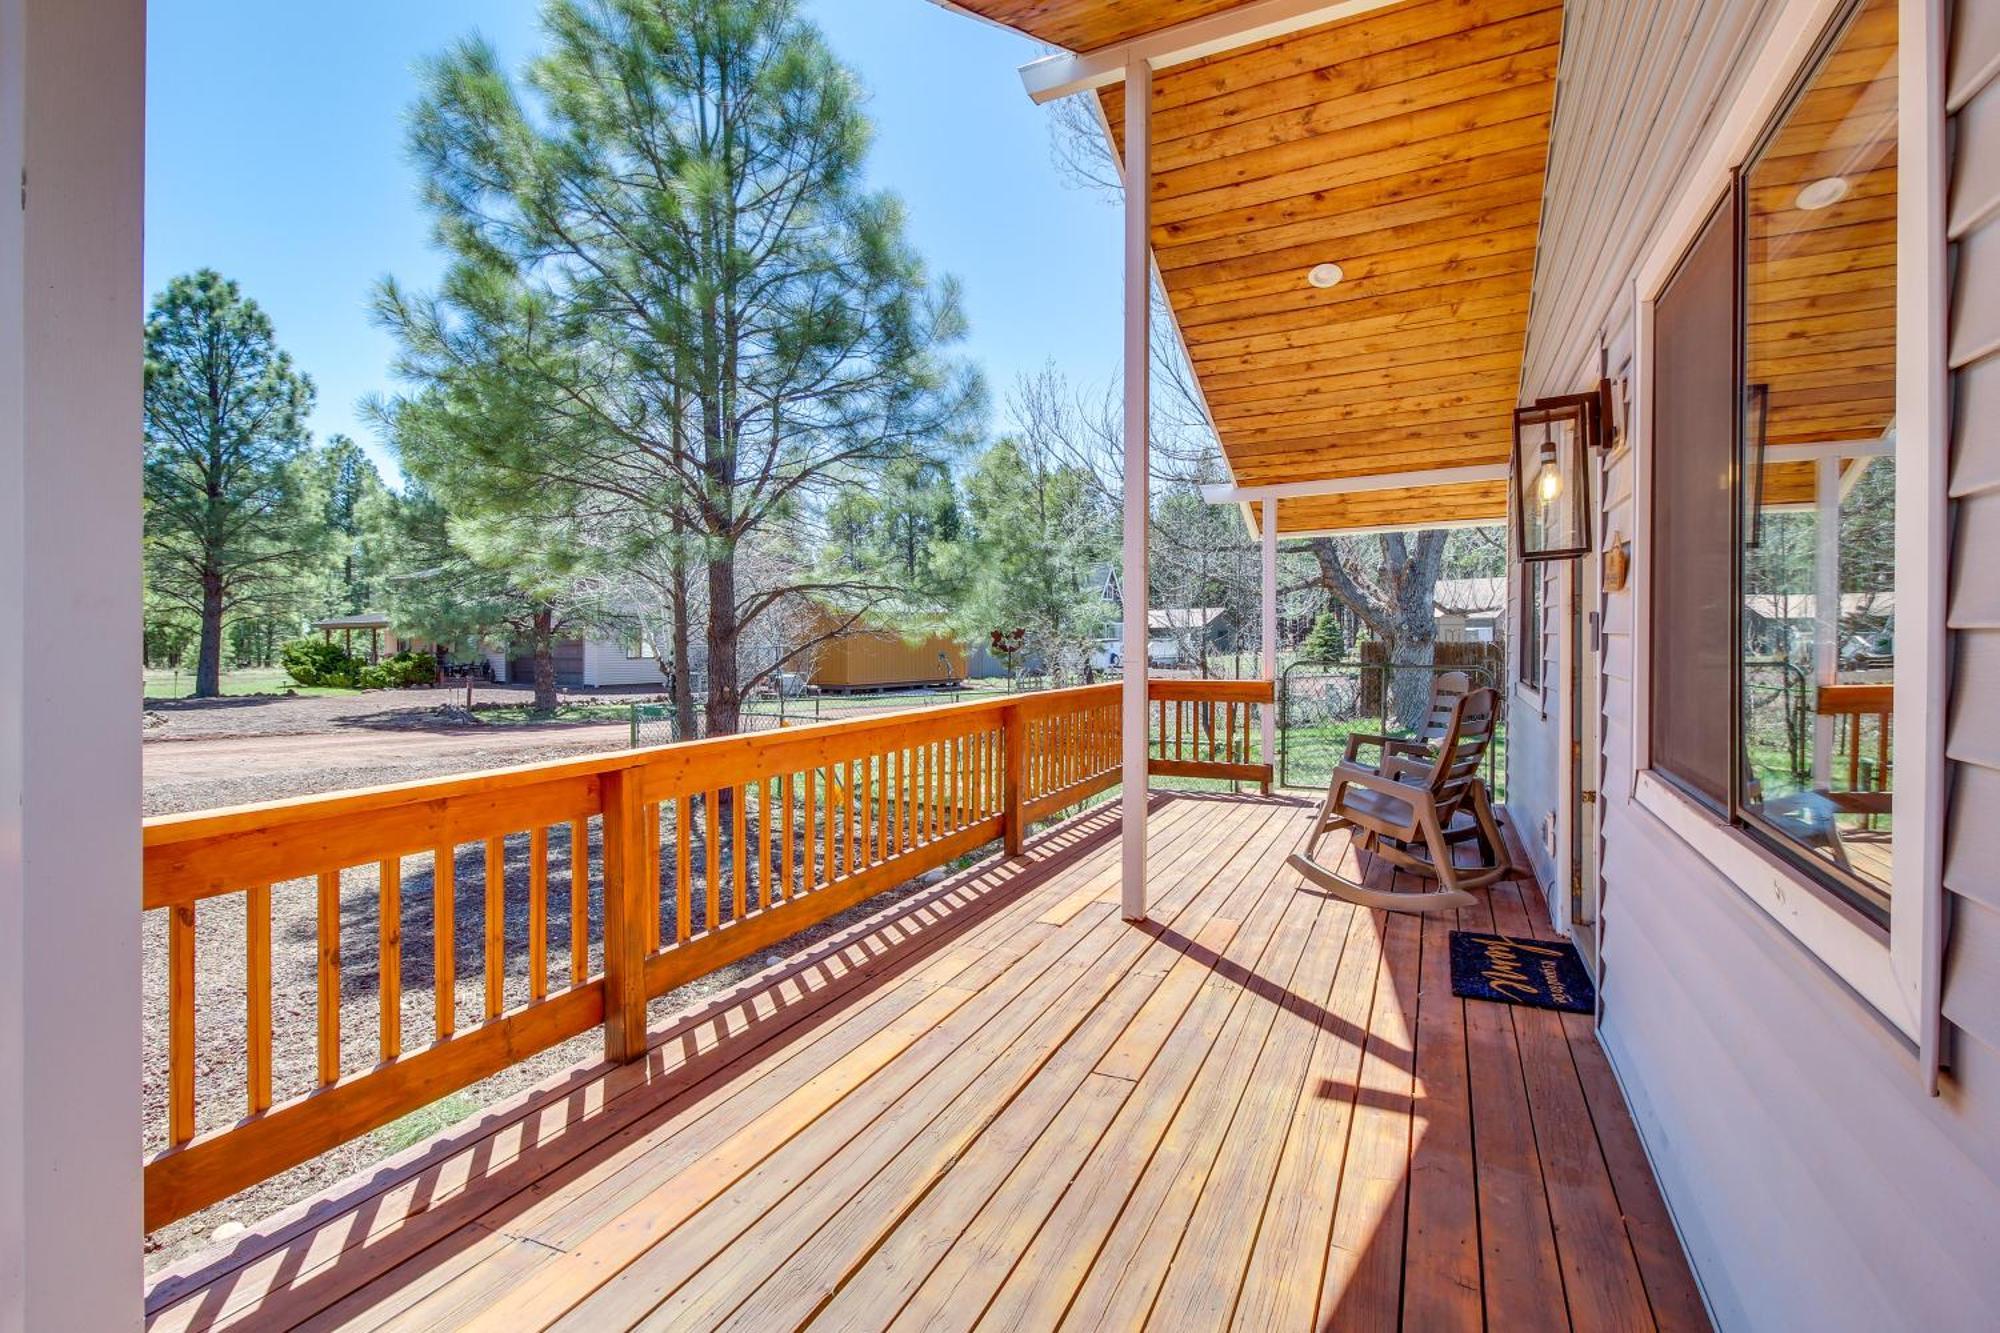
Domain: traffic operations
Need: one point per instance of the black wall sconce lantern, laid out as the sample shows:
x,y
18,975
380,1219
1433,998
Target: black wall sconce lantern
x,y
1551,476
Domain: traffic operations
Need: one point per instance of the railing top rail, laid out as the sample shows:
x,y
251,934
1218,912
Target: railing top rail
x,y
1240,691
168,830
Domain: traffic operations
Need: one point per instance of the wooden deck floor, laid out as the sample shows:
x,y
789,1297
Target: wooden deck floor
x,y
999,1105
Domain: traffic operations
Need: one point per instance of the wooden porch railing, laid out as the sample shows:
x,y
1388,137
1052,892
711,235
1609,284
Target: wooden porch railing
x,y
1205,729
707,852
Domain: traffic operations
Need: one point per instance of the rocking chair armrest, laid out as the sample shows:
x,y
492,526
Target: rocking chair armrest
x,y
1359,776
1356,740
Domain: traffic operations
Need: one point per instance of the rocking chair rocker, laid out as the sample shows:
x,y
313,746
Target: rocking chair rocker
x,y
1412,811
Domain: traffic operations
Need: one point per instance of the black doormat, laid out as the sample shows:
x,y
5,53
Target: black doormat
x,y
1542,974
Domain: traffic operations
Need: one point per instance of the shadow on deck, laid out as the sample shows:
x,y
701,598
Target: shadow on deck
x,y
996,1103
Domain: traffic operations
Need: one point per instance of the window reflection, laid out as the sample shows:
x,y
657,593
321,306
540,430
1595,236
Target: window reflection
x,y
1818,474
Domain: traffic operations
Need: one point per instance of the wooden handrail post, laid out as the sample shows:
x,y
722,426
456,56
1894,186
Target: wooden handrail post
x,y
1014,796
624,917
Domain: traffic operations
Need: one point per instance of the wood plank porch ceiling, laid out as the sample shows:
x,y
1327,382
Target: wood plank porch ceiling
x,y
1406,145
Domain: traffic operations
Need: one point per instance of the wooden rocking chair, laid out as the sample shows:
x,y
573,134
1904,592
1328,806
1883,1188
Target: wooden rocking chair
x,y
1412,811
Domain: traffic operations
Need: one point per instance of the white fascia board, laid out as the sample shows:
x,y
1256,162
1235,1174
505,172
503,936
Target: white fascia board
x,y
1067,72
1372,529
1382,481
1880,447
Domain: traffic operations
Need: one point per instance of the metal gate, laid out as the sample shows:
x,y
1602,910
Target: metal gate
x,y
1320,704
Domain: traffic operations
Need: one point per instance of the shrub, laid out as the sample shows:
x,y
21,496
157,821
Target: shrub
x,y
406,668
1325,642
318,662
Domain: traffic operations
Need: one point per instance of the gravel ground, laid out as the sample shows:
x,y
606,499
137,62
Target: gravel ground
x,y
221,1074
417,709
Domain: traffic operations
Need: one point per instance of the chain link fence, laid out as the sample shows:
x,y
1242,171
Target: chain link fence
x,y
1321,704
652,723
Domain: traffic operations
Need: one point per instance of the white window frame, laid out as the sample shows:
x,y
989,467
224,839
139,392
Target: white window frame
x,y
1897,973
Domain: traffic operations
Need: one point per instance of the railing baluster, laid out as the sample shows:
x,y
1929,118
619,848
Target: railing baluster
x,y
880,763
180,1023
830,864
538,911
257,992
389,946
652,873
808,841
854,817
579,901
329,977
496,926
683,873
935,796
444,938
741,849
711,856
791,828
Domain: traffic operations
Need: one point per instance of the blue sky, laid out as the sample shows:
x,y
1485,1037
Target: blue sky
x,y
275,155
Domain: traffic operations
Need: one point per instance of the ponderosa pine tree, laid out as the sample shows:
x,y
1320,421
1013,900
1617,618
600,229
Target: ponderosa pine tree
x,y
478,554
345,485
669,237
225,431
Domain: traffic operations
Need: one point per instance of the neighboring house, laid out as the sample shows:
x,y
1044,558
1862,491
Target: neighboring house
x,y
1172,636
869,655
1469,610
378,633
589,662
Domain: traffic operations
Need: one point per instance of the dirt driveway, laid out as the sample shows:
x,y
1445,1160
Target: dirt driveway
x,y
208,753
241,759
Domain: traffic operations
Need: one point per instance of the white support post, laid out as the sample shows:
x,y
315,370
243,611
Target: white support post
x,y
72,302
1826,607
1268,625
1138,414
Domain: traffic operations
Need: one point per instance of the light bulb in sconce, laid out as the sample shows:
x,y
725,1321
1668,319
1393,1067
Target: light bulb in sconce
x,y
1548,480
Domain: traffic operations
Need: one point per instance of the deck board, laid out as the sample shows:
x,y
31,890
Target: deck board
x,y
997,1104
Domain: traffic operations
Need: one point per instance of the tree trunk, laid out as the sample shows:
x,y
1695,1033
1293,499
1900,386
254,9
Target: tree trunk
x,y
1415,643
208,668
686,724
545,661
724,705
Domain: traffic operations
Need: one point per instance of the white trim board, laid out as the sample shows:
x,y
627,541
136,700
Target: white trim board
x,y
1067,72
1226,493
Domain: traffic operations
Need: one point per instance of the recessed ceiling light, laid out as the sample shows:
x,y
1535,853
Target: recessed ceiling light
x,y
1323,276
1824,193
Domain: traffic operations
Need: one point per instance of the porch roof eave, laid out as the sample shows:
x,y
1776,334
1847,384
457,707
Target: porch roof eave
x,y
1345,213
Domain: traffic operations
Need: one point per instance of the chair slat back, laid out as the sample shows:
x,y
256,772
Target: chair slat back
x,y
1446,690
1475,719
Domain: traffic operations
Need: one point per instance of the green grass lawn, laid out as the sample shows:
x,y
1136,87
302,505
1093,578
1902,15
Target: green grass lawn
x,y
251,680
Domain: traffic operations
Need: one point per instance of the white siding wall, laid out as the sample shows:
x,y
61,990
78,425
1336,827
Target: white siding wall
x,y
605,663
1972,851
1534,745
1815,1184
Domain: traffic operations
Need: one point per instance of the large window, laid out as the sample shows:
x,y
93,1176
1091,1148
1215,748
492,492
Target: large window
x,y
1529,665
1693,452
1774,480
